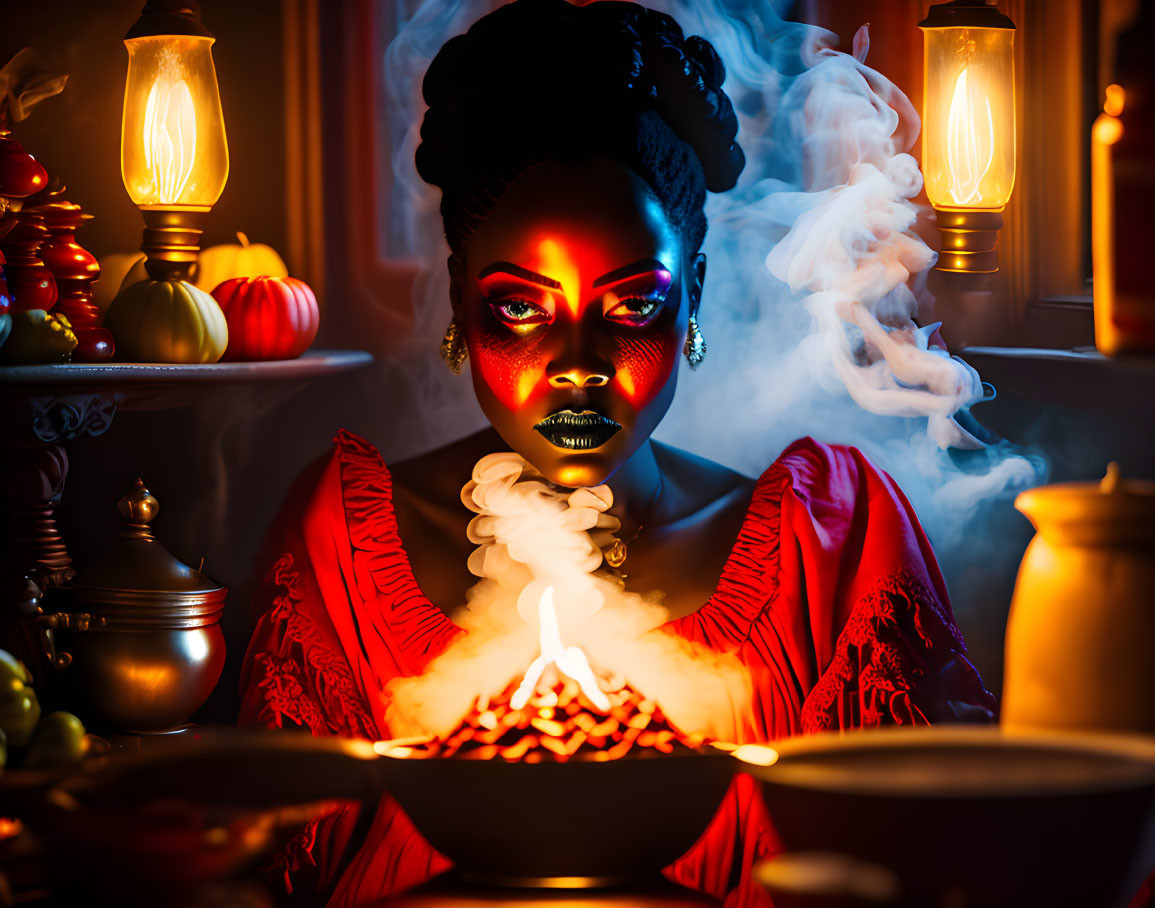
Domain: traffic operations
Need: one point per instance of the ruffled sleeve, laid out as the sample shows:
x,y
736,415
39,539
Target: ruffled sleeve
x,y
340,616
833,598
834,601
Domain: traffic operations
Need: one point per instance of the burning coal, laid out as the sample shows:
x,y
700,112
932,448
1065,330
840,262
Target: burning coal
x,y
558,723
558,710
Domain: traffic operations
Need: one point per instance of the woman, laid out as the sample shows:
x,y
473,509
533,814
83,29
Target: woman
x,y
574,147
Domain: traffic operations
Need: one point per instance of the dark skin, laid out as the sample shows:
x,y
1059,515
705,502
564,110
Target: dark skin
x,y
574,296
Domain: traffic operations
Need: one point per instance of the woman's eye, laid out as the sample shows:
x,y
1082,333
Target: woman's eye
x,y
634,310
519,312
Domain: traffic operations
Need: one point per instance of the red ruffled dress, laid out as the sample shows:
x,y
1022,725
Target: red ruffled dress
x,y
831,596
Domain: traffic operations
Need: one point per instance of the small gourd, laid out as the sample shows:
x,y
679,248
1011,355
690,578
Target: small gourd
x,y
167,322
269,317
218,264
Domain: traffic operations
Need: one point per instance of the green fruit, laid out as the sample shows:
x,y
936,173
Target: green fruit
x,y
19,711
57,742
38,337
11,667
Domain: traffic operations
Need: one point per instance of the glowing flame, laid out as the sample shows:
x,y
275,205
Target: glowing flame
x,y
970,139
170,138
569,660
1113,103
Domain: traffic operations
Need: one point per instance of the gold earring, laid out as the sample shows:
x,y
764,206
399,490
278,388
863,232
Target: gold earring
x,y
453,349
695,348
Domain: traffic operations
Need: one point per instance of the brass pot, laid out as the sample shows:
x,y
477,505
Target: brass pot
x,y
150,650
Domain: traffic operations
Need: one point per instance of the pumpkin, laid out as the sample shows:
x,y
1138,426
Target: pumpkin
x,y
167,322
118,270
218,264
269,317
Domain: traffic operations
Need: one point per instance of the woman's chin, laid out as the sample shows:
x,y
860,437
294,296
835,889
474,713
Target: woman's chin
x,y
573,468
576,469
582,470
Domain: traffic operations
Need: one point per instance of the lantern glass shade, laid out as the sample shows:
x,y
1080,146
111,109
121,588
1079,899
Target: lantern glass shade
x,y
173,152
969,117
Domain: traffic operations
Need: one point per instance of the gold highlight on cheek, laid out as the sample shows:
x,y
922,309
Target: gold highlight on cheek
x,y
626,382
525,385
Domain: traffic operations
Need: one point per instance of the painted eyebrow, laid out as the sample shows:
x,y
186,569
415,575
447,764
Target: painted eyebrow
x,y
618,274
518,271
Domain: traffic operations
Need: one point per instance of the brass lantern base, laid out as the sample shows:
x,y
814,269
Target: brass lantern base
x,y
970,240
172,239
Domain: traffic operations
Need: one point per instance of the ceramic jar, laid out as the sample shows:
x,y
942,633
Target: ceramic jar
x,y
1080,645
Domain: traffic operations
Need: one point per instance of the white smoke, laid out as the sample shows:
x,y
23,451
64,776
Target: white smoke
x,y
530,537
814,291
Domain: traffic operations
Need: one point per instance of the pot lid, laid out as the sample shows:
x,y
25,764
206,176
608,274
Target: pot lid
x,y
1114,509
136,561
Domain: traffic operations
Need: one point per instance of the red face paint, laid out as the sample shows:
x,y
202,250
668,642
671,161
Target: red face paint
x,y
574,313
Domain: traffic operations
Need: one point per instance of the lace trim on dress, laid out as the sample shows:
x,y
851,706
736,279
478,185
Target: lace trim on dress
x,y
305,680
877,663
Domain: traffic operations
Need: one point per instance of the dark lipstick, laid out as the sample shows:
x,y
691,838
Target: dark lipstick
x,y
577,431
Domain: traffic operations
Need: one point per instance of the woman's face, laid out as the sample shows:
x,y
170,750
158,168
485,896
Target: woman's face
x,y
573,300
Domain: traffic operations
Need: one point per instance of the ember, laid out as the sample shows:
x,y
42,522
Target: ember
x,y
558,710
558,724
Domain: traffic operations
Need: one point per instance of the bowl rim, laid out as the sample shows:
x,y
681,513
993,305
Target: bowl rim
x,y
1137,748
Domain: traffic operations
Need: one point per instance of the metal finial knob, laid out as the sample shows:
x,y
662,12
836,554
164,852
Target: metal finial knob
x,y
138,507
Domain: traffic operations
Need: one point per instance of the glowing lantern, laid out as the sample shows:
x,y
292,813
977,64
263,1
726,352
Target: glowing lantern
x,y
968,134
173,154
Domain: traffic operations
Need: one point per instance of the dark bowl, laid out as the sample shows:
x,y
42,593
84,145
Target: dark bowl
x,y
546,823
976,815
140,828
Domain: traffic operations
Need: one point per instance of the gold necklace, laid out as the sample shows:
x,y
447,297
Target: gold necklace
x,y
619,550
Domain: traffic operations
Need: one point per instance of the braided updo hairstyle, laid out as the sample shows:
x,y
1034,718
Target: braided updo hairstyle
x,y
544,80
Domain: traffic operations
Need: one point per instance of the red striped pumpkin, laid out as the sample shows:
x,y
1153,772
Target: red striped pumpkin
x,y
268,317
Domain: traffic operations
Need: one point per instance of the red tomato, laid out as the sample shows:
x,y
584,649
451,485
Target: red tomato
x,y
268,317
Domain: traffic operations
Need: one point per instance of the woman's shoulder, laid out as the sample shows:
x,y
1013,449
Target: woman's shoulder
x,y
829,475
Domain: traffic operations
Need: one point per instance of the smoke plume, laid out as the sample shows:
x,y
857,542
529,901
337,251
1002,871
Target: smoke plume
x,y
530,537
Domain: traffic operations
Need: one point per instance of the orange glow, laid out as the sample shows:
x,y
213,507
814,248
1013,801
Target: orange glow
x,y
173,150
554,261
170,137
571,661
10,827
1113,105
969,117
526,382
1106,131
970,143
627,384
756,754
